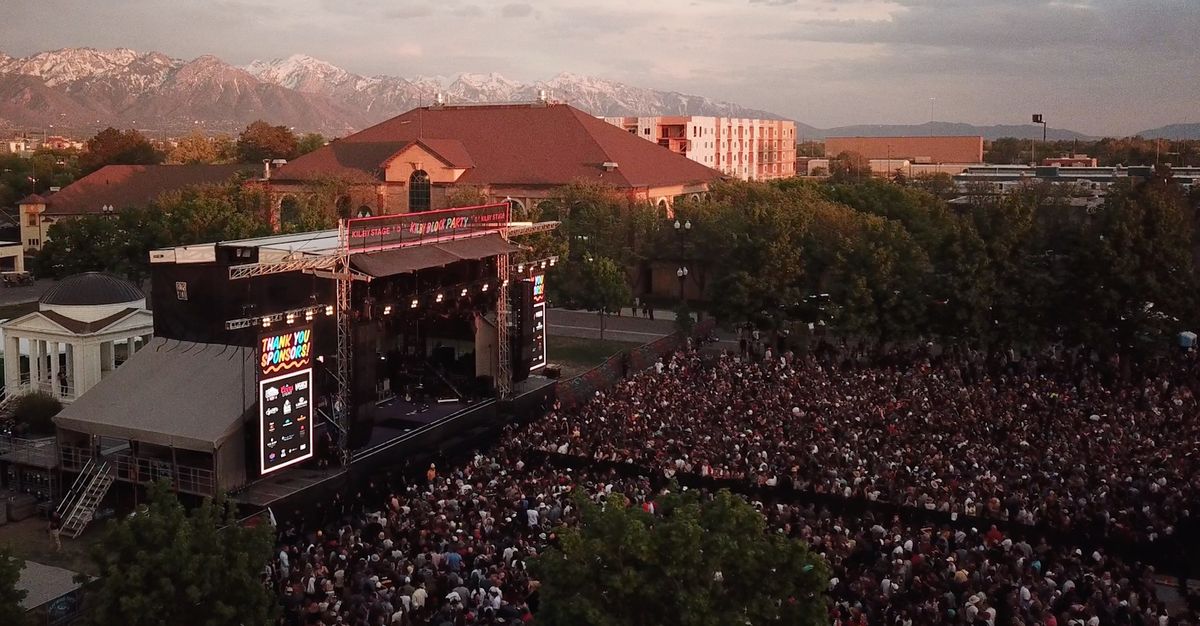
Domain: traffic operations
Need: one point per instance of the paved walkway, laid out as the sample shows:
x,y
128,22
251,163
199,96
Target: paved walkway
x,y
626,327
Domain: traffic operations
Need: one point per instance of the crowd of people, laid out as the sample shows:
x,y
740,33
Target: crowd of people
x,y
1035,444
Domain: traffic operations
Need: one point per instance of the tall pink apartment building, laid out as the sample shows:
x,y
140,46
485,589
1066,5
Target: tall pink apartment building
x,y
748,149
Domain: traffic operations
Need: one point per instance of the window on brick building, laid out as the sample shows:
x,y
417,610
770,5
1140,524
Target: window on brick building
x,y
418,192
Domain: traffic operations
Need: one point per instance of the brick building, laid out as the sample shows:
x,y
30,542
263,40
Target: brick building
x,y
515,152
920,150
749,149
110,189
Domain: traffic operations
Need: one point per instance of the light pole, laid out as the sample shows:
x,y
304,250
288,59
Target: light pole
x,y
682,273
1037,119
682,230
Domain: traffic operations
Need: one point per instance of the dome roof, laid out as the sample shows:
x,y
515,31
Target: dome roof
x,y
92,289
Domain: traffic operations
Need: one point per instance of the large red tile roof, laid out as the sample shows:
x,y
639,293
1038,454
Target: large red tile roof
x,y
125,186
527,145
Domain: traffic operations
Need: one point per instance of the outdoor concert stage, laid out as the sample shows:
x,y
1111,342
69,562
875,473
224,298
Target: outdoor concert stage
x,y
407,434
383,343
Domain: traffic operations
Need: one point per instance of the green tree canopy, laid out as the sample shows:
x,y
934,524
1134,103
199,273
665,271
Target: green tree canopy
x,y
198,147
695,562
261,141
309,142
116,147
164,565
11,611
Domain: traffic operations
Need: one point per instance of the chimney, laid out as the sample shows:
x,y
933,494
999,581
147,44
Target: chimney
x,y
542,97
439,100
266,169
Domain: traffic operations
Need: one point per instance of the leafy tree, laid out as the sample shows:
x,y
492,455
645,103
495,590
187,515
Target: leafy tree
x,y
849,166
10,597
115,147
164,565
261,141
33,412
309,142
604,287
695,562
197,147
466,195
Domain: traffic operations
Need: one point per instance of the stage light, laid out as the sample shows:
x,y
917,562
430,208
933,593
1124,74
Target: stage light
x,y
414,303
321,359
329,309
463,294
505,283
291,317
266,321
387,310
553,260
485,287
439,297
308,315
520,268
543,265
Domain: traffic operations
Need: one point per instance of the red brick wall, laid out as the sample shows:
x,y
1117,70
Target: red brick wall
x,y
939,149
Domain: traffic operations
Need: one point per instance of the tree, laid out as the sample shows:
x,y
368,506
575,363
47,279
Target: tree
x,y
115,147
309,142
261,141
604,287
200,148
11,611
33,412
695,562
164,565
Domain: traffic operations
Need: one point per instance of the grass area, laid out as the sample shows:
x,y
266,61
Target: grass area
x,y
577,355
13,311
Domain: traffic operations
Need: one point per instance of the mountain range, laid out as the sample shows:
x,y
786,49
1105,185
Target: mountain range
x,y
84,89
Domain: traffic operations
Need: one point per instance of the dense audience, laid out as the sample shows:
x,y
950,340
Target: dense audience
x,y
1041,442
1038,442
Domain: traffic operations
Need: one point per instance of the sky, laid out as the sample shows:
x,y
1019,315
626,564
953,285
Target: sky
x,y
1102,67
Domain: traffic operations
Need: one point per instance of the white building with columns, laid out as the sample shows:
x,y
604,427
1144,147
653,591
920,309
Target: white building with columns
x,y
82,325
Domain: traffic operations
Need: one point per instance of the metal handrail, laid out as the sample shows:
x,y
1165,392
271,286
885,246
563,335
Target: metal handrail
x,y
73,493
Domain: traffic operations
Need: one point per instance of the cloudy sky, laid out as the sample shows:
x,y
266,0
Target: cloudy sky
x,y
1097,66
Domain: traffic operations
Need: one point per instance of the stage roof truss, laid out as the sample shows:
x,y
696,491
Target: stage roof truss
x,y
518,229
251,270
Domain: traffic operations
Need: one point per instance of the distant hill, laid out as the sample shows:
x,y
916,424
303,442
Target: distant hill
x,y
1020,131
1173,131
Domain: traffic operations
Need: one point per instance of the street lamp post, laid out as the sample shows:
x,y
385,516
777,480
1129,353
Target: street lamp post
x,y
1037,119
682,273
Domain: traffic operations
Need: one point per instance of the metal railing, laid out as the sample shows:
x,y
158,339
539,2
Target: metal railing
x,y
26,385
39,452
81,481
143,471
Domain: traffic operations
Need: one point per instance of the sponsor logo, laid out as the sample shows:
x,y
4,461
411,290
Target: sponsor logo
x,y
301,402
271,411
287,423
272,457
271,393
270,427
302,385
303,446
287,407
272,443
286,390
301,418
288,437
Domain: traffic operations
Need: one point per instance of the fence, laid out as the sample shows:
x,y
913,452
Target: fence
x,y
575,391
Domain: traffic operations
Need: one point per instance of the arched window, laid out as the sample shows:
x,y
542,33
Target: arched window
x,y
289,212
364,211
418,192
516,210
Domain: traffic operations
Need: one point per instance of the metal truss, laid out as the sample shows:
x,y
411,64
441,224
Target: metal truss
x,y
539,227
251,270
504,372
345,352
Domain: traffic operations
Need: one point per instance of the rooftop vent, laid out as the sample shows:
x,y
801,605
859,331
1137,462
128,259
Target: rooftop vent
x,y
609,165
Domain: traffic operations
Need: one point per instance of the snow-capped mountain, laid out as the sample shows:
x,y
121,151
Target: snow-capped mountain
x,y
87,88
390,95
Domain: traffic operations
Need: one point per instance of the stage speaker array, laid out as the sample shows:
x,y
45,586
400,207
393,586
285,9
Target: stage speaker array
x,y
522,347
362,388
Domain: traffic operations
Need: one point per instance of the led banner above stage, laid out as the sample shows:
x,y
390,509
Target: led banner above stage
x,y
385,231
285,397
